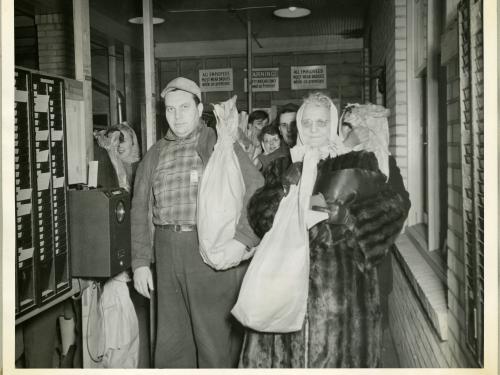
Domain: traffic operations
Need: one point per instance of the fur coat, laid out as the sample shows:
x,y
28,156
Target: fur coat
x,y
343,321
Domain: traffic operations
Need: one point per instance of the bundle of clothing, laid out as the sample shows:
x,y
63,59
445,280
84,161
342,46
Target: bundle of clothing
x,y
120,141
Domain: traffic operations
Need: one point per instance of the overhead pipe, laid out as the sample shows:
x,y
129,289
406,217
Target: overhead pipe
x,y
249,64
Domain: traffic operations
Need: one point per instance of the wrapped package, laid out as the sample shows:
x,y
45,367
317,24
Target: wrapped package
x,y
221,191
273,295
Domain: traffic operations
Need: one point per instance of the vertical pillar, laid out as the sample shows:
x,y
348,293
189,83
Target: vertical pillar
x,y
149,73
249,64
7,202
83,72
127,69
113,104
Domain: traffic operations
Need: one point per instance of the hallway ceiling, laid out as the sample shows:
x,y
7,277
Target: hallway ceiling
x,y
328,17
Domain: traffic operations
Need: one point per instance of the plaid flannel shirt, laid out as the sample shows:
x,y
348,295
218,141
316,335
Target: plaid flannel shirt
x,y
175,185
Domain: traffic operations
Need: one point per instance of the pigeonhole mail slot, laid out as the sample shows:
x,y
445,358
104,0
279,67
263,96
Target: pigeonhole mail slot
x,y
100,232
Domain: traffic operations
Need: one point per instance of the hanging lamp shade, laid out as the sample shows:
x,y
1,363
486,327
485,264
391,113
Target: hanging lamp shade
x,y
291,9
135,14
140,21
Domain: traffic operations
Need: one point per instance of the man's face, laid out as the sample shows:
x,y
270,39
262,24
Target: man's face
x,y
286,120
182,113
270,143
315,124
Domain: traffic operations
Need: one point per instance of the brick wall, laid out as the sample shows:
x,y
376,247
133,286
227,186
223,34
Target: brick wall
x,y
456,269
415,339
388,48
417,343
344,75
55,43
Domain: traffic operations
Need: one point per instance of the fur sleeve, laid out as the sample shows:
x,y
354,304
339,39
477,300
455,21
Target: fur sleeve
x,y
264,203
377,221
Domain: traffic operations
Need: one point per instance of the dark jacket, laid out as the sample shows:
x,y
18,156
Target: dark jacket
x,y
141,214
343,322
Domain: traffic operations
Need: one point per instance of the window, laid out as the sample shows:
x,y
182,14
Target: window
x,y
420,32
427,130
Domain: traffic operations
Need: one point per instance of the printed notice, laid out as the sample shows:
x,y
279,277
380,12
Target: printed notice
x,y
25,254
42,135
43,181
56,135
21,96
42,103
23,194
264,79
42,156
216,79
308,77
24,209
57,182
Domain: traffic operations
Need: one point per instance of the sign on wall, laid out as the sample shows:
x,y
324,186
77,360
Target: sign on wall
x,y
216,79
308,77
264,79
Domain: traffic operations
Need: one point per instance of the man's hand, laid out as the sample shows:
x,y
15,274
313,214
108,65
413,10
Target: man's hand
x,y
358,136
233,252
143,281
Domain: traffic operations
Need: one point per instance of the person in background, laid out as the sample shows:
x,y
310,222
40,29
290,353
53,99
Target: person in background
x,y
120,141
286,123
194,326
256,122
342,326
272,147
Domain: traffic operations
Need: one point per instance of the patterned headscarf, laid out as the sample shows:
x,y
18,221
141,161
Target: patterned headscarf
x,y
335,146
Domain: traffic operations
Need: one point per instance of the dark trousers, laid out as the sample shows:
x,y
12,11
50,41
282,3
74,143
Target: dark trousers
x,y
194,325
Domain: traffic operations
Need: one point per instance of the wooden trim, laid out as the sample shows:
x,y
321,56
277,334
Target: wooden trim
x,y
113,107
414,121
449,44
8,202
149,74
83,71
433,67
127,71
271,45
75,288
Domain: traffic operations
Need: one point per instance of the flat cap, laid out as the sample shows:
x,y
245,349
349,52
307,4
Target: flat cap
x,y
184,84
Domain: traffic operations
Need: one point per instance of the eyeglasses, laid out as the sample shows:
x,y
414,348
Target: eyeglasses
x,y
319,123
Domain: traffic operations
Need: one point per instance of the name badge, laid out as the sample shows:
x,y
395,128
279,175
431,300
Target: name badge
x,y
194,177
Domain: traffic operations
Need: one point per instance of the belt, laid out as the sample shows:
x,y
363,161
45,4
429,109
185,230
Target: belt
x,y
178,227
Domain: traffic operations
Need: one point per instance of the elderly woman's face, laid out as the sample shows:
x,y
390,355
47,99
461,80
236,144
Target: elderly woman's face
x,y
315,125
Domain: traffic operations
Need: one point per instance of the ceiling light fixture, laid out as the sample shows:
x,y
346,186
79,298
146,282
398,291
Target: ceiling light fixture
x,y
292,9
140,21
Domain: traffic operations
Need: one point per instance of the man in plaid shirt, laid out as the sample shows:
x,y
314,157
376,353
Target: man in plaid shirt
x,y
194,324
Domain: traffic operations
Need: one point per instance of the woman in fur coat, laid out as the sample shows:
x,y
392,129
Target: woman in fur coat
x,y
342,327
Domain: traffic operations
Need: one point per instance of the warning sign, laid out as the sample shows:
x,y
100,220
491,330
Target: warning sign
x,y
264,79
308,77
216,79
